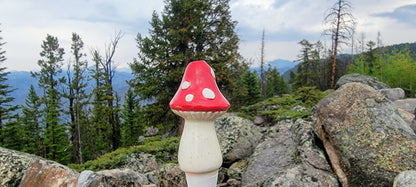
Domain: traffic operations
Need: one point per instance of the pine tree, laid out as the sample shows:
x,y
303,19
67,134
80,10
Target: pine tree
x,y
78,98
251,84
104,111
132,127
186,31
56,139
10,132
309,67
275,84
99,128
31,122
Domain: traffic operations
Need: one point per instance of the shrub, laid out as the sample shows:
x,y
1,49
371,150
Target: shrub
x,y
165,151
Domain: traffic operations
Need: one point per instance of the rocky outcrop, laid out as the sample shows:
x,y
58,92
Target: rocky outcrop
x,y
409,104
171,175
13,165
290,156
237,137
393,93
115,177
405,179
367,80
364,136
49,173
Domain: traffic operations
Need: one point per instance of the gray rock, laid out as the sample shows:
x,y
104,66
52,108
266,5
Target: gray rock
x,y
259,120
13,165
393,93
171,175
141,162
289,157
83,178
367,80
406,116
151,131
364,136
405,179
237,137
237,169
409,105
115,177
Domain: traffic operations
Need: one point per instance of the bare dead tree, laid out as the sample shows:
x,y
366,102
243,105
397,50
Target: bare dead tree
x,y
340,26
262,76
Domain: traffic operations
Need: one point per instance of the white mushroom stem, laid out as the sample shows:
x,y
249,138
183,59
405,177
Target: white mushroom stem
x,y
199,153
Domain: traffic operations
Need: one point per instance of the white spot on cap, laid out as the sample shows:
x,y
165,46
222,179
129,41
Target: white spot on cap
x,y
212,72
208,93
189,98
185,85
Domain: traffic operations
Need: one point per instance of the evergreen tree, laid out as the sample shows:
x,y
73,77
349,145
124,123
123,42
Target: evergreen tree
x,y
31,122
105,112
78,98
275,84
132,126
100,128
309,69
10,132
186,31
56,139
251,85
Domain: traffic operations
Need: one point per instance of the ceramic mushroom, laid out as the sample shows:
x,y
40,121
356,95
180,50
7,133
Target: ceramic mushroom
x,y
199,101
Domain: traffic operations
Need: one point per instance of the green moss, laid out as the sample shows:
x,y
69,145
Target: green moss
x,y
275,109
165,151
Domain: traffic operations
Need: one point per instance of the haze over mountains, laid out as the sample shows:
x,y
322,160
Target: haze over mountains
x,y
21,80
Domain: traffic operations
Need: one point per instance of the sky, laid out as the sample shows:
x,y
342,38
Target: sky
x,y
25,24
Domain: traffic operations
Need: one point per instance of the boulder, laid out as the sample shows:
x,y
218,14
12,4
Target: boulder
x,y
151,131
115,177
259,120
141,162
290,156
405,179
393,93
237,169
49,173
171,175
364,136
409,105
367,80
407,117
237,137
13,165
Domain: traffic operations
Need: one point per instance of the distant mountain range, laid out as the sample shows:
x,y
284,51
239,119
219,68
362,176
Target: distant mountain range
x,y
21,81
281,65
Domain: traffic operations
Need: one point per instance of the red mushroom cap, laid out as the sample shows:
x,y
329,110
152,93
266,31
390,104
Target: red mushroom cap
x,y
199,91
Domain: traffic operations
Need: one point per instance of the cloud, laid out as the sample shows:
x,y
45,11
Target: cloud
x,y
403,14
282,19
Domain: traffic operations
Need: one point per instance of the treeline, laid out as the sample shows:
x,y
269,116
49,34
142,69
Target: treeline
x,y
394,65
67,123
